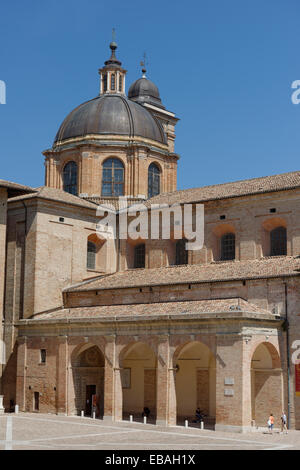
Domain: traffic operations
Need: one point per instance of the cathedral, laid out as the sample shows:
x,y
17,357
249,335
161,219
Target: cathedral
x,y
115,326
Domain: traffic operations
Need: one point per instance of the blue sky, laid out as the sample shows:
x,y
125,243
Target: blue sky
x,y
224,67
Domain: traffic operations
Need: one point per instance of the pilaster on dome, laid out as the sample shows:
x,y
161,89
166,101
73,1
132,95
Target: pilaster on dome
x,y
112,75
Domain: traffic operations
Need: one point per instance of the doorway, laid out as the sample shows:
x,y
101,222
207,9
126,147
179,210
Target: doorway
x,y
90,391
36,402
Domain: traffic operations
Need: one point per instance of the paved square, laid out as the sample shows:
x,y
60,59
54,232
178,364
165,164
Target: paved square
x,y
50,432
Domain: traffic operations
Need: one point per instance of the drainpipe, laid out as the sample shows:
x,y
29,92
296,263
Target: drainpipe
x,y
287,353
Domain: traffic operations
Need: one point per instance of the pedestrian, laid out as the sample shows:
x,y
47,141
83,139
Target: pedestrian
x,y
271,423
283,423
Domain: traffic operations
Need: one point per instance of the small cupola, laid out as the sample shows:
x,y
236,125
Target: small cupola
x,y
112,75
144,91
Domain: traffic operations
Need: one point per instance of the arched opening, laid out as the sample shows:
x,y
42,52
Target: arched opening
x,y
88,380
224,243
153,180
135,252
274,237
195,383
97,254
138,376
112,177
70,178
266,385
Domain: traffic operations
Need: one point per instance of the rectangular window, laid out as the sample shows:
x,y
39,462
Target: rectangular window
x,y
36,401
113,82
139,256
43,356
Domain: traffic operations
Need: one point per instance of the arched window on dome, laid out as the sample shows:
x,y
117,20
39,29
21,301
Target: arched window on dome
x,y
113,177
70,178
278,241
228,246
153,180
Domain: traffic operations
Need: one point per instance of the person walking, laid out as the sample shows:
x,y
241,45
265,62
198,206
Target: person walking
x,y
271,423
283,423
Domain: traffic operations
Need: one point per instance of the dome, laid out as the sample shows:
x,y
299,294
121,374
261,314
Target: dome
x,y
111,114
145,91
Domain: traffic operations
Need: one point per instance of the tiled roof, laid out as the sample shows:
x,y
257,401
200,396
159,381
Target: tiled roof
x,y
246,187
233,307
58,195
15,189
195,273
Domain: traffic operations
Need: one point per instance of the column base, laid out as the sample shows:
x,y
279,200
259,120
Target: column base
x,y
107,418
161,422
231,428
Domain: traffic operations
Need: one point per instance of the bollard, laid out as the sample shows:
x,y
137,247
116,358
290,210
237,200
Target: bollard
x,y
94,414
145,419
186,423
82,413
1,405
16,409
202,425
131,418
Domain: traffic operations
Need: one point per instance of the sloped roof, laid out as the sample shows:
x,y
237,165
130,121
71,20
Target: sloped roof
x,y
265,184
234,307
15,189
53,194
194,273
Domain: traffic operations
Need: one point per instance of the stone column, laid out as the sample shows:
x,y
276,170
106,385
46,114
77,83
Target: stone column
x,y
118,392
109,378
21,373
233,384
165,404
62,376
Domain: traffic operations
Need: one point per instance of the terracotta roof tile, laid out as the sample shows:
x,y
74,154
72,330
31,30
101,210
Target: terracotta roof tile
x,y
197,273
15,189
58,195
232,307
246,187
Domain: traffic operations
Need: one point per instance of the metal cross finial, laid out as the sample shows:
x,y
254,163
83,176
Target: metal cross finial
x,y
143,64
113,35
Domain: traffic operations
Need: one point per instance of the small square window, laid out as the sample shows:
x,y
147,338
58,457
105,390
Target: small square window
x,y
222,217
61,219
273,210
43,356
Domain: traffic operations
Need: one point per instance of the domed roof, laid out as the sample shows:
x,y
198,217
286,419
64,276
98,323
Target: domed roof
x,y
111,114
145,91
